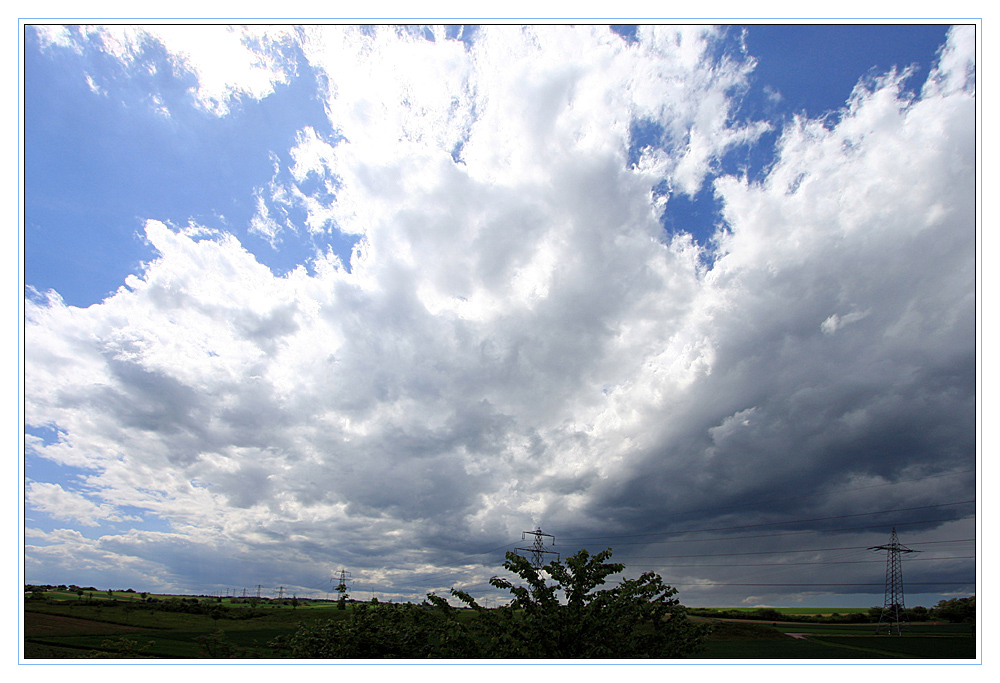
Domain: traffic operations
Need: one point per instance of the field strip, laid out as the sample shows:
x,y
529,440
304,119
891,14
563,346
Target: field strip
x,y
894,655
43,624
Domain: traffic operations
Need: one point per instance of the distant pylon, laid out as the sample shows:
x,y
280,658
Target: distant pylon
x,y
537,548
893,615
345,577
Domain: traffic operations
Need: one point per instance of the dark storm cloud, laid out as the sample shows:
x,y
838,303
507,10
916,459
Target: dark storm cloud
x,y
517,342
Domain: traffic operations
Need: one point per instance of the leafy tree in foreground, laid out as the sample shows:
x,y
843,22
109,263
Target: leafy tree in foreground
x,y
638,618
373,631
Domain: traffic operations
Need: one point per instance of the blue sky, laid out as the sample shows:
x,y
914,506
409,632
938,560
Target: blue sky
x,y
100,165
420,290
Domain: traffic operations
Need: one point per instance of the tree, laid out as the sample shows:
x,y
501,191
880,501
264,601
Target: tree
x,y
121,648
638,618
373,631
572,618
217,646
956,610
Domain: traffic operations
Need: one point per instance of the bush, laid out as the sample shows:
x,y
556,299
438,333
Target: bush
x,y
638,618
217,646
956,610
373,631
121,648
767,614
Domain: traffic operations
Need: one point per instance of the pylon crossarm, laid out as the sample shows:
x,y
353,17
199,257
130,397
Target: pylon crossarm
x,y
893,614
537,548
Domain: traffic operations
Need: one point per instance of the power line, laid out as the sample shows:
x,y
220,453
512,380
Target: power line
x,y
799,564
469,559
791,533
817,585
893,612
493,550
434,577
763,524
784,499
782,552
427,580
614,537
537,548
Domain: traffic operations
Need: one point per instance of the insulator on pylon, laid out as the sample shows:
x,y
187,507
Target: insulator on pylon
x,y
893,610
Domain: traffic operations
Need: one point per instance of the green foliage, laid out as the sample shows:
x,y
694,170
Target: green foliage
x,y
177,633
638,618
745,631
374,631
122,648
797,615
956,610
217,646
572,618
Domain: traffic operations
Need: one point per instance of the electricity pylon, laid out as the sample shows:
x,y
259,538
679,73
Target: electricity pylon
x,y
537,548
345,576
893,616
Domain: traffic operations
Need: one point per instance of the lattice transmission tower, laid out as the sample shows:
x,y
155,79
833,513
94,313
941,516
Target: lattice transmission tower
x,y
893,616
537,549
345,578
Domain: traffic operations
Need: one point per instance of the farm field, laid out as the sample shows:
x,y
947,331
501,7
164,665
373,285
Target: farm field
x,y
742,640
815,611
65,629
119,626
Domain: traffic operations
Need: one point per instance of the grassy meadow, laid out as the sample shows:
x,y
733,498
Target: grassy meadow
x,y
63,625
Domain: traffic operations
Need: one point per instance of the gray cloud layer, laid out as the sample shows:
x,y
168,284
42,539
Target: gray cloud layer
x,y
516,342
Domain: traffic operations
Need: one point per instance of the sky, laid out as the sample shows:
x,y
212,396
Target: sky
x,y
300,299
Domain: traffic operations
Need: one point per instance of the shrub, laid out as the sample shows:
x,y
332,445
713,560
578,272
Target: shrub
x,y
638,618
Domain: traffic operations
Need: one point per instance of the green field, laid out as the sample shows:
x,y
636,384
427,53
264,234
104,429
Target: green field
x,y
740,640
124,625
80,630
817,611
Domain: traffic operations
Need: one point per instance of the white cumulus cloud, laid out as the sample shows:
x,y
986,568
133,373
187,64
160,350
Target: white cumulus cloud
x,y
516,340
